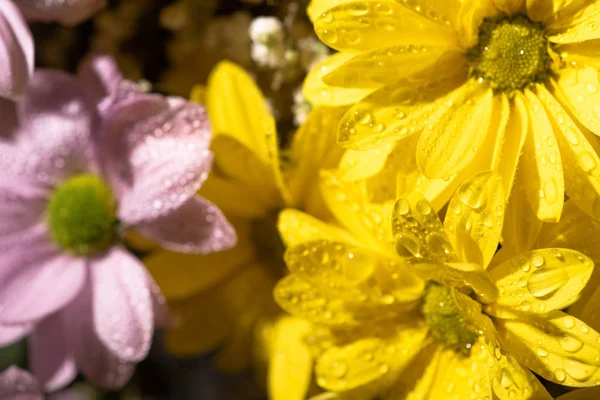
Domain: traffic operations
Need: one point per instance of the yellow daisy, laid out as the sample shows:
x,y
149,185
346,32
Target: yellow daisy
x,y
427,311
469,85
223,301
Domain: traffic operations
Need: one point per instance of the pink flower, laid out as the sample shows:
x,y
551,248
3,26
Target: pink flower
x,y
67,12
16,51
82,162
16,384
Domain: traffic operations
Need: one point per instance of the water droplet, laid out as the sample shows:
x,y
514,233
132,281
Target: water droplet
x,y
579,371
546,281
570,343
568,322
338,369
560,375
542,352
473,196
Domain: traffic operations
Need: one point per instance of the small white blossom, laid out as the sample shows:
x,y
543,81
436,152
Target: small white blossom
x,y
268,42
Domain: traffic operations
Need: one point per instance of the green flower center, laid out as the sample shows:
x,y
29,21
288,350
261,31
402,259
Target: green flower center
x,y
81,215
446,322
512,53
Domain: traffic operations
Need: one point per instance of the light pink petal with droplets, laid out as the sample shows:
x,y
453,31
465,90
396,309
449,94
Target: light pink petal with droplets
x,y
36,279
16,51
198,226
104,83
53,138
97,363
10,334
21,207
67,13
49,357
17,384
159,303
159,155
122,303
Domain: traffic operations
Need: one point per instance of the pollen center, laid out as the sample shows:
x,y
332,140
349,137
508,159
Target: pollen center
x,y
446,322
512,53
81,215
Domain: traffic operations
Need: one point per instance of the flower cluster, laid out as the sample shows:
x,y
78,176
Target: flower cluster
x,y
404,206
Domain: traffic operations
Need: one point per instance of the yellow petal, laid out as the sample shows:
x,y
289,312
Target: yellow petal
x,y
442,12
456,132
290,361
297,227
238,163
352,273
509,6
521,224
367,360
582,394
541,10
198,94
541,164
571,13
590,30
363,164
182,275
362,26
379,67
474,218
318,7
399,110
542,280
580,160
313,148
237,108
349,204
227,195
470,17
557,346
317,92
579,55
580,91
300,299
418,230
516,133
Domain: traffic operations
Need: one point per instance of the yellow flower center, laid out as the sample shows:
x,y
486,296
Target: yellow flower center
x,y
82,215
512,53
446,322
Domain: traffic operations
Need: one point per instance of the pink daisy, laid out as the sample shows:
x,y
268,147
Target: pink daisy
x,y
16,384
82,162
68,13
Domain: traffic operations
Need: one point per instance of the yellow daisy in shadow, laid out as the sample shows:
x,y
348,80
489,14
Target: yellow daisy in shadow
x,y
425,310
223,301
468,85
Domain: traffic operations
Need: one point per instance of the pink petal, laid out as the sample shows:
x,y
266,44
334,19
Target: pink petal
x,y
104,83
67,13
12,333
21,207
53,138
36,281
122,303
49,357
16,51
198,226
17,384
98,364
159,304
159,155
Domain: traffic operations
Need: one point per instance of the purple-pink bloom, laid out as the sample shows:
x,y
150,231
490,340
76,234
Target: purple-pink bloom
x,y
83,160
16,384
67,12
16,51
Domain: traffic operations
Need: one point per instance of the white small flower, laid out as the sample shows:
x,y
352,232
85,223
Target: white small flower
x,y
301,107
268,42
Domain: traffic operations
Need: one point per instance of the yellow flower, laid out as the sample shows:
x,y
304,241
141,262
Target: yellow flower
x,y
467,85
223,301
425,310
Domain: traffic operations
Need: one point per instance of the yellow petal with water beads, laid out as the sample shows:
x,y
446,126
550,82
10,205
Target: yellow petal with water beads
x,y
297,227
580,91
367,360
364,164
352,273
398,110
542,280
580,160
557,346
316,92
364,25
590,30
418,231
455,131
509,6
300,299
474,218
541,164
